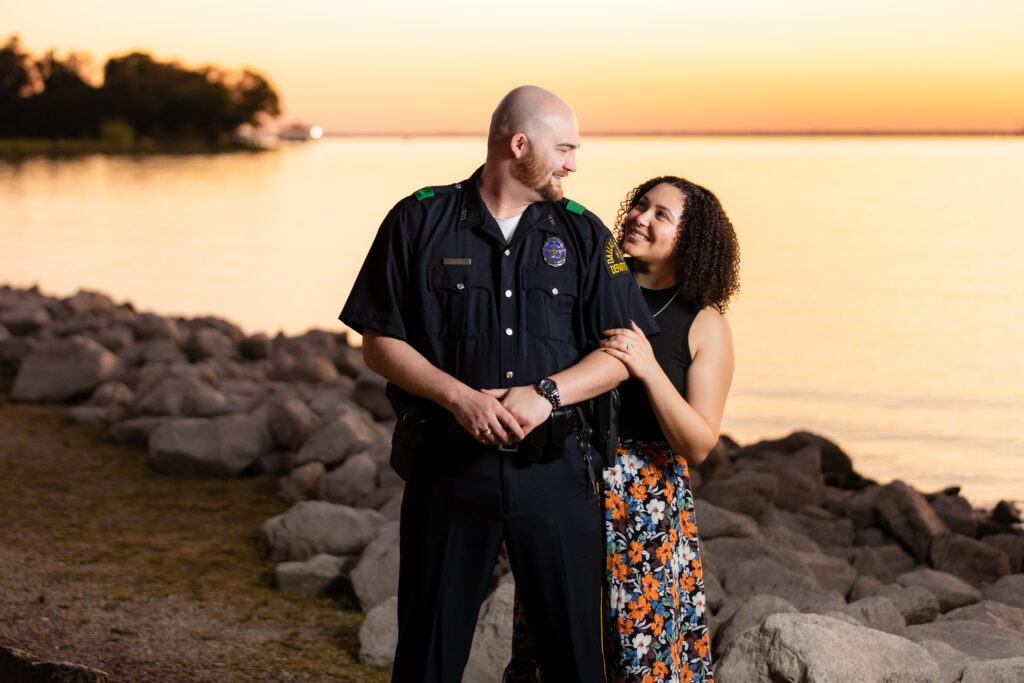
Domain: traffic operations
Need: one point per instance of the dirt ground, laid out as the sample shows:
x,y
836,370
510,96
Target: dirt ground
x,y
106,563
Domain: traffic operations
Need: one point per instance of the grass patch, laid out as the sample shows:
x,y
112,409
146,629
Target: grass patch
x,y
93,516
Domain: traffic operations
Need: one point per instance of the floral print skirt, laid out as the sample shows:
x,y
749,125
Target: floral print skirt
x,y
657,629
655,583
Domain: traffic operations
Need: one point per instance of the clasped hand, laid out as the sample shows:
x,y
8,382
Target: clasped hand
x,y
631,347
502,416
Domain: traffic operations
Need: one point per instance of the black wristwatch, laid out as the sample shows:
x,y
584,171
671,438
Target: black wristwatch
x,y
549,390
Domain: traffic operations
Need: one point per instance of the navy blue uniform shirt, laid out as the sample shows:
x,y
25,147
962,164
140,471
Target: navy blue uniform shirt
x,y
441,277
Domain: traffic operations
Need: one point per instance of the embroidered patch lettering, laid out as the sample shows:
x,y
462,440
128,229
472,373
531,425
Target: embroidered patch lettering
x,y
614,262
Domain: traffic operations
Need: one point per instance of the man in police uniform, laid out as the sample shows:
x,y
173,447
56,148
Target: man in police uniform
x,y
483,302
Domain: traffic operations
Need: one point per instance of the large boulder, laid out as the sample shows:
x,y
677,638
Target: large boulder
x,y
821,526
917,605
950,591
63,370
490,651
816,649
746,614
877,613
334,440
378,636
906,514
311,527
974,638
748,492
956,512
976,562
375,577
301,483
831,573
369,393
316,576
762,575
951,662
24,318
207,447
860,507
720,555
351,483
835,464
998,671
989,612
1008,590
291,421
713,521
1012,545
868,562
798,474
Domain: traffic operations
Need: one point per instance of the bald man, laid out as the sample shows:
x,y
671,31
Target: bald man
x,y
482,303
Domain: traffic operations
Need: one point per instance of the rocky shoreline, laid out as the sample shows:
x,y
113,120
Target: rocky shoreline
x,y
812,572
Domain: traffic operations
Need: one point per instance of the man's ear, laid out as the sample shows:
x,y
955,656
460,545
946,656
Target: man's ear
x,y
518,145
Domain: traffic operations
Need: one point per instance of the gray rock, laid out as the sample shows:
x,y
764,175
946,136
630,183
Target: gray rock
x,y
207,447
713,521
823,528
311,527
905,514
391,510
989,612
309,365
378,635
149,351
798,474
313,577
136,430
302,483
917,605
816,649
877,613
898,560
831,573
753,577
869,562
152,326
208,342
62,370
977,563
786,538
351,483
1012,545
24,318
872,536
956,512
114,337
333,398
202,400
490,650
720,555
112,394
714,594
255,347
998,671
860,507
977,639
748,492
375,577
291,421
865,587
1008,590
349,360
748,614
85,302
835,464
334,440
951,661
950,591
369,393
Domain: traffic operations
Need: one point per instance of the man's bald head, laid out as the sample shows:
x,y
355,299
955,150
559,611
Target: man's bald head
x,y
527,109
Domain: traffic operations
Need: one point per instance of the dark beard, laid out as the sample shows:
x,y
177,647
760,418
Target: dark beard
x,y
529,173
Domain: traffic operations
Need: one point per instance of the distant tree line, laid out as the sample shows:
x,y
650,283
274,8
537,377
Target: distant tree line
x,y
140,97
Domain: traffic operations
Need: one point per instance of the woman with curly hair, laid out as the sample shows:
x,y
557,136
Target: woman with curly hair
x,y
685,257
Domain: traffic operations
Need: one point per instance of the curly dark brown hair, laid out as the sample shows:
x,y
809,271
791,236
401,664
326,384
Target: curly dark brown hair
x,y
707,253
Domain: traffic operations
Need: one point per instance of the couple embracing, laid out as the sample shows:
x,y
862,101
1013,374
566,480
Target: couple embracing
x,y
496,309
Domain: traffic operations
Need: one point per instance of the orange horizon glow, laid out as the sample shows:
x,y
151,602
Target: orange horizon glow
x,y
668,66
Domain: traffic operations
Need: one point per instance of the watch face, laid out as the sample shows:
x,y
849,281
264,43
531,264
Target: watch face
x,y
546,385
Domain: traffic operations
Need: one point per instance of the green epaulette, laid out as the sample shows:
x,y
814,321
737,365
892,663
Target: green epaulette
x,y
573,207
422,194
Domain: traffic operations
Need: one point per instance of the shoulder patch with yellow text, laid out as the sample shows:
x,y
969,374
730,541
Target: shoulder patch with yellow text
x,y
614,262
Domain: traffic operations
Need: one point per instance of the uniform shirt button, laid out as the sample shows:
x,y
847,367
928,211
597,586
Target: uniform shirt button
x,y
554,290
508,293
508,331
509,374
460,286
508,253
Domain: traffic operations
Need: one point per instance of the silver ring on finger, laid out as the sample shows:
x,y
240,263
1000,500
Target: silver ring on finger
x,y
629,347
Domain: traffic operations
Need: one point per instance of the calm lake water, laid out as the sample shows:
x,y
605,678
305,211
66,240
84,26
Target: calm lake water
x,y
882,298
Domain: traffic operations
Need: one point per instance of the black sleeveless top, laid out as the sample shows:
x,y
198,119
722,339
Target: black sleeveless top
x,y
672,351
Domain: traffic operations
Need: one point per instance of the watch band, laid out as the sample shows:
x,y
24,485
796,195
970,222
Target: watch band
x,y
549,389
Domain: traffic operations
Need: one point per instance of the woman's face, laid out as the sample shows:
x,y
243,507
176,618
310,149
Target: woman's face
x,y
652,226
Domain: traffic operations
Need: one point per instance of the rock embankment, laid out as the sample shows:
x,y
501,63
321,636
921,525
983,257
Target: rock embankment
x,y
812,572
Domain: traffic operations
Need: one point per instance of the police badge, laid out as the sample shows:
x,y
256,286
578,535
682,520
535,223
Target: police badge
x,y
554,252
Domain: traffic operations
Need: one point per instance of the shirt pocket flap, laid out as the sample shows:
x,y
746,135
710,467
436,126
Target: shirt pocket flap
x,y
457,278
551,282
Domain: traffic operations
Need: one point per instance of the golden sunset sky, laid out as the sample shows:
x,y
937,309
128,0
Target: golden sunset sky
x,y
405,66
